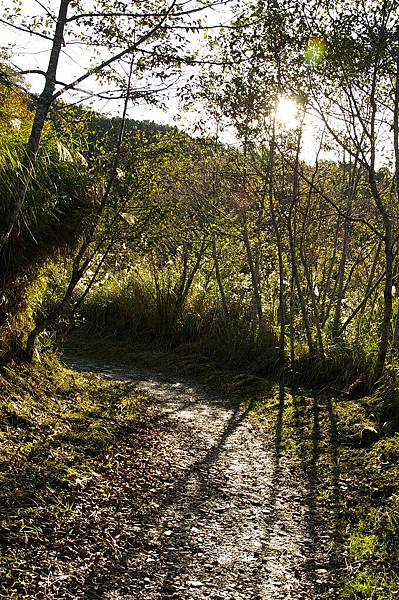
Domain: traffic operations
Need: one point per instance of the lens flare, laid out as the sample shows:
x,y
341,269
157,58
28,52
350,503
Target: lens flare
x,y
315,51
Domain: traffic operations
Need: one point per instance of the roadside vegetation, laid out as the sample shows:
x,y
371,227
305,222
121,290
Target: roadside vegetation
x,y
270,259
59,431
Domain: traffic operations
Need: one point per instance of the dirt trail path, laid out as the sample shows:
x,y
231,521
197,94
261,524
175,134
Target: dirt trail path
x,y
209,507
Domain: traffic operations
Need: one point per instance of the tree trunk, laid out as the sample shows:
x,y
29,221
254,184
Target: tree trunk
x,y
341,276
292,332
219,281
80,262
279,242
256,293
302,303
43,105
281,306
316,313
292,246
386,322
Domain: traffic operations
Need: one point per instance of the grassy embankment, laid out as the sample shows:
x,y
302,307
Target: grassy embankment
x,y
58,429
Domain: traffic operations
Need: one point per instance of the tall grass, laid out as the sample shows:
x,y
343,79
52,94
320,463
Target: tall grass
x,y
129,308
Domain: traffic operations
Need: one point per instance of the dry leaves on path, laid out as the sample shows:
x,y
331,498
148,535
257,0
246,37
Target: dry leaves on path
x,y
193,504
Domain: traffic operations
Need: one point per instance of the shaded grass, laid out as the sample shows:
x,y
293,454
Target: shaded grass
x,y
238,389
56,430
352,480
180,362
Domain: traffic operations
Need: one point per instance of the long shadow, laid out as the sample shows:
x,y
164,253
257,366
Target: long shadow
x,y
305,430
335,473
179,555
277,478
207,489
189,506
317,440
278,434
277,447
313,520
302,430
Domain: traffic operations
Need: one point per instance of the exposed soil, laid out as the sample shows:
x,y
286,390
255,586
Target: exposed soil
x,y
197,504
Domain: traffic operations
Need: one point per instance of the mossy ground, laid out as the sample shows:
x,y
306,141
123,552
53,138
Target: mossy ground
x,y
56,428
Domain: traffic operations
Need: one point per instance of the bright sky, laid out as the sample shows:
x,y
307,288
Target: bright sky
x,y
31,52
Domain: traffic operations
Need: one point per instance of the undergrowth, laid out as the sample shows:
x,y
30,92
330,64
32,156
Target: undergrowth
x,y
127,307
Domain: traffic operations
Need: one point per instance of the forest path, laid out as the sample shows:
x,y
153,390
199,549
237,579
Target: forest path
x,y
203,505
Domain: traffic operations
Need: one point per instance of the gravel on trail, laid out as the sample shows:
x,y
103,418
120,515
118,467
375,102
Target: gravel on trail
x,y
202,504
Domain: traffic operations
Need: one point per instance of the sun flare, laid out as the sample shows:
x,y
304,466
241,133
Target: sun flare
x,y
287,112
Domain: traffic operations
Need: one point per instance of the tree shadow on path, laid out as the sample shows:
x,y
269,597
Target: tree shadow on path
x,y
314,429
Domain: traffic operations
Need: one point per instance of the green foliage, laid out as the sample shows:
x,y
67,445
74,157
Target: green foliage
x,y
106,129
59,194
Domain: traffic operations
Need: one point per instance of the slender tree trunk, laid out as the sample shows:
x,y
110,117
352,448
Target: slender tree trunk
x,y
219,281
292,319
386,322
316,314
302,303
388,235
256,293
81,261
395,340
159,298
341,276
325,300
281,304
42,108
279,243
292,246
396,128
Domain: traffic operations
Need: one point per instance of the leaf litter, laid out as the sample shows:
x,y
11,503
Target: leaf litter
x,y
194,503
